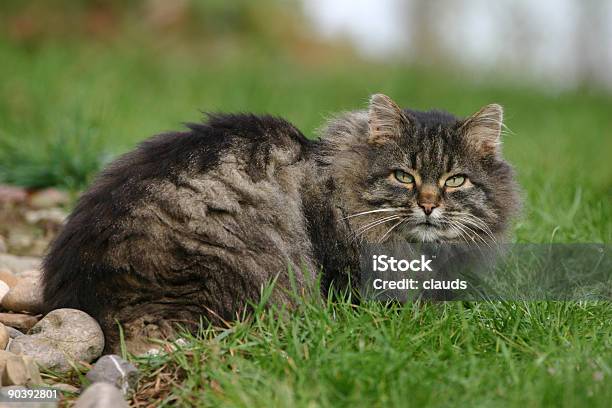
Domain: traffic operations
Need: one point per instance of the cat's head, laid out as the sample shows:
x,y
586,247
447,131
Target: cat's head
x,y
420,176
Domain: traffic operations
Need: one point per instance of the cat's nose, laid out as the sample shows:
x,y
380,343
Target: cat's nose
x,y
428,198
427,207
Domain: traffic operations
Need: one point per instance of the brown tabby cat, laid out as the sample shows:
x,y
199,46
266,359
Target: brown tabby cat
x,y
191,225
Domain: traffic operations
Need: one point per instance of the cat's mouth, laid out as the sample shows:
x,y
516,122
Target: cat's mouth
x,y
429,224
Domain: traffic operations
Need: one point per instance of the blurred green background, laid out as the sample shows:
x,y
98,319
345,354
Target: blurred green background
x,y
82,81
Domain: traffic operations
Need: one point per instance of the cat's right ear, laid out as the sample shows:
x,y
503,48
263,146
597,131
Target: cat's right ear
x,y
385,120
483,129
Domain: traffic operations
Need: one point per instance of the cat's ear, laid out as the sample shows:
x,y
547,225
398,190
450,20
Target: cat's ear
x,y
385,119
482,130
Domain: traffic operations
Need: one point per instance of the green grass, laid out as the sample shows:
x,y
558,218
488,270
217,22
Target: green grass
x,y
66,109
454,354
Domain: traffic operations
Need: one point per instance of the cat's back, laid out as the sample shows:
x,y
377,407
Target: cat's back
x,y
214,195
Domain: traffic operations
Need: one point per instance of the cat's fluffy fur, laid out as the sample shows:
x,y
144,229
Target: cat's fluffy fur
x,y
191,225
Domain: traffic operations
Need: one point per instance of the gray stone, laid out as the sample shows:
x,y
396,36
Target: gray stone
x,y
19,240
13,332
19,321
115,370
18,370
49,197
51,217
4,337
8,277
30,273
101,395
11,194
19,264
26,296
4,289
62,338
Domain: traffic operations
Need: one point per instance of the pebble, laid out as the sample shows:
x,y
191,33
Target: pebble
x,y
18,370
61,338
4,337
48,197
50,216
115,370
13,332
20,240
4,289
101,395
26,296
8,277
19,264
30,273
10,194
19,321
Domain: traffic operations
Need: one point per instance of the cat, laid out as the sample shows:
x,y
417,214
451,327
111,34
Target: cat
x,y
190,225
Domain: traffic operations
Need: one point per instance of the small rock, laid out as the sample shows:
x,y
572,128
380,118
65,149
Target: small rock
x,y
26,296
4,289
19,321
49,217
8,277
115,370
15,372
13,332
49,197
19,264
5,355
21,371
18,370
152,352
31,274
101,395
20,240
4,337
66,388
12,195
33,371
62,337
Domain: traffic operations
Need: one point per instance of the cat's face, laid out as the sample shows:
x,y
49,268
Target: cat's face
x,y
432,178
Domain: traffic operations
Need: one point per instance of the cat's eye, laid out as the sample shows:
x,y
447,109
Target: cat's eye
x,y
403,177
455,181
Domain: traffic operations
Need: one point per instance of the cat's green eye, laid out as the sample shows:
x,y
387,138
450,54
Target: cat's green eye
x,y
403,177
455,181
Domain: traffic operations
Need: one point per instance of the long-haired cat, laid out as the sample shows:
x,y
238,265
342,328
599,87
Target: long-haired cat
x,y
191,225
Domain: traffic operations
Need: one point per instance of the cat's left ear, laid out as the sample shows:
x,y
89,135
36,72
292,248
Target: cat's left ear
x,y
385,120
482,130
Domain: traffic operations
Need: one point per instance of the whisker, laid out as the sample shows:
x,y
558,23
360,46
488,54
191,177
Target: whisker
x,y
485,230
477,235
460,226
478,223
373,225
459,232
372,211
366,226
475,222
391,229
